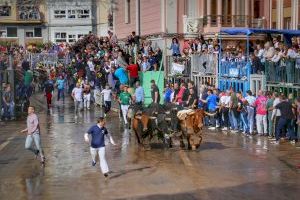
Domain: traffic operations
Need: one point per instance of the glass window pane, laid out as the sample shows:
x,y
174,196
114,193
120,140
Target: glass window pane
x,y
12,32
37,32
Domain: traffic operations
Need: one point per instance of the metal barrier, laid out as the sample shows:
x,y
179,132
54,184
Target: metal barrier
x,y
285,71
285,89
203,80
204,63
184,61
257,82
235,75
47,59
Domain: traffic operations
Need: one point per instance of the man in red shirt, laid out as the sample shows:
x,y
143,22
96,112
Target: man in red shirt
x,y
133,72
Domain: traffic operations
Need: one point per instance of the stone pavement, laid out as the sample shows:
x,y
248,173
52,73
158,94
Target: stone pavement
x,y
225,167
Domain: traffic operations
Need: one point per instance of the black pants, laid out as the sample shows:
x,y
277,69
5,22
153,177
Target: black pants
x,y
225,113
107,106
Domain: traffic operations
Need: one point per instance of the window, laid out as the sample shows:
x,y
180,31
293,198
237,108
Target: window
x,y
81,36
58,14
287,23
36,32
83,13
5,11
71,38
71,14
127,11
2,33
12,32
60,37
29,34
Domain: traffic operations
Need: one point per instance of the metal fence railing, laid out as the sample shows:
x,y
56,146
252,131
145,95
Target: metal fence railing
x,y
173,62
204,63
284,71
234,69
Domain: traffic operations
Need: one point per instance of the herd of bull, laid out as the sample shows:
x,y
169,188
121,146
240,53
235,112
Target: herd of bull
x,y
166,122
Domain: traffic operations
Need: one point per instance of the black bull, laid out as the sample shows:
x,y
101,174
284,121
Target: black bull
x,y
157,119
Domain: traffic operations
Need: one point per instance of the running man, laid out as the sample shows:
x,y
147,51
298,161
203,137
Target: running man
x,y
33,134
97,133
125,100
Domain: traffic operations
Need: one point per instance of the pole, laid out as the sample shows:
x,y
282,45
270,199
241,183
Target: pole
x,y
218,75
138,17
11,73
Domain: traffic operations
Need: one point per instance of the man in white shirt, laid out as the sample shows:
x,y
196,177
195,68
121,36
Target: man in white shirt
x,y
107,99
224,103
250,109
77,95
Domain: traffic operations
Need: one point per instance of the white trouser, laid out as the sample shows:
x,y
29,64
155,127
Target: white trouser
x,y
87,100
261,123
102,159
124,109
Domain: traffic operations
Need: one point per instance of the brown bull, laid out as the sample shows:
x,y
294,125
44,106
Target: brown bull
x,y
140,126
191,125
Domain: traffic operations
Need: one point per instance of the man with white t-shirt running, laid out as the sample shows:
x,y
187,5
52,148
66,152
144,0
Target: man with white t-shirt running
x,y
107,99
77,96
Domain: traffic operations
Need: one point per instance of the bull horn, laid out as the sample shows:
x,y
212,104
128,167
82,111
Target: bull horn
x,y
210,114
153,117
138,117
167,112
168,119
174,108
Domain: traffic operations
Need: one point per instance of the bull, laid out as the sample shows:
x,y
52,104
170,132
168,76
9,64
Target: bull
x,y
191,124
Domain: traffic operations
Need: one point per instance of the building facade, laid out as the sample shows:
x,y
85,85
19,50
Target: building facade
x,y
191,17
22,21
69,20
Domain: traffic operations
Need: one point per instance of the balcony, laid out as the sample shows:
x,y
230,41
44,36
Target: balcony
x,y
194,25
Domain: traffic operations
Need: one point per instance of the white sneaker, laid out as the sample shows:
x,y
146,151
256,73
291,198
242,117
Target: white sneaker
x,y
275,142
293,142
234,131
212,128
225,129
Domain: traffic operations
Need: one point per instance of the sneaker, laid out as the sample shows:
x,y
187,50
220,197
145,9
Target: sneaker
x,y
250,136
43,159
106,176
93,163
37,154
293,142
234,131
225,129
275,142
212,128
270,137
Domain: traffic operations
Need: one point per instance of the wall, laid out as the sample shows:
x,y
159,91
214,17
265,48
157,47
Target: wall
x,y
150,18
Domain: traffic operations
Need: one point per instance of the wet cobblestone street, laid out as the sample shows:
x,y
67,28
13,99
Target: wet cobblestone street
x,y
224,167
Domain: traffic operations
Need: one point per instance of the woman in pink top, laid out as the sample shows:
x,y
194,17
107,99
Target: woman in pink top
x,y
261,114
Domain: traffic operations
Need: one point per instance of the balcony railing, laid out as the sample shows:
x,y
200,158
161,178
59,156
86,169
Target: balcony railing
x,y
195,24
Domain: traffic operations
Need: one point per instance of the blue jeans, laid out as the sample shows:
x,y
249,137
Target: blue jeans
x,y
244,118
233,120
8,110
37,141
282,123
250,118
60,94
212,119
